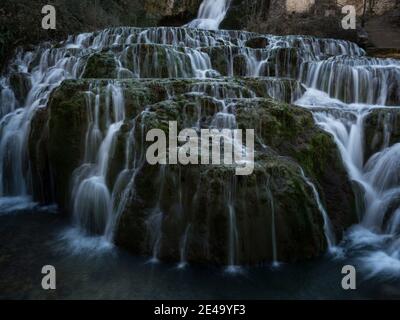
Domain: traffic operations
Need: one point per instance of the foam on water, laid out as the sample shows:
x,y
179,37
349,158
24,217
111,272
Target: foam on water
x,y
75,241
16,204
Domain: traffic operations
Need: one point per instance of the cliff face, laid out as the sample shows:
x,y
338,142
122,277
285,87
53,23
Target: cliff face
x,y
172,12
20,21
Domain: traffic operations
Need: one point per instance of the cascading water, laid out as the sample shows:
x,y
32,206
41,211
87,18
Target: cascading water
x,y
355,88
93,207
275,262
343,89
330,237
37,75
183,250
211,14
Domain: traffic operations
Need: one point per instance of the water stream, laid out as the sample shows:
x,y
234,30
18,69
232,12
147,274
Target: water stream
x,y
211,14
343,89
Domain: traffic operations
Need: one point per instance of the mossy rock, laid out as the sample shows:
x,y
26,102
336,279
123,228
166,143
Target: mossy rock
x,y
67,126
198,200
100,66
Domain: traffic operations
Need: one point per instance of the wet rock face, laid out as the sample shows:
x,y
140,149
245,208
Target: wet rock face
x,y
257,43
21,85
382,130
173,12
206,213
101,65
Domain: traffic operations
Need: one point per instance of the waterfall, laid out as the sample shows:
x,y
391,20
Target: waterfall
x,y
275,262
355,80
155,219
92,207
378,174
211,14
329,235
184,247
332,78
233,238
37,74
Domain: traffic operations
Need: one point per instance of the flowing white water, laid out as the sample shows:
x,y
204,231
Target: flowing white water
x,y
92,207
211,14
275,262
329,235
184,247
233,239
38,74
155,220
343,89
377,176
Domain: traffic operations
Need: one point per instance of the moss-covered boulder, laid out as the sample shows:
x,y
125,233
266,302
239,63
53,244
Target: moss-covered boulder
x,y
203,213
202,199
101,65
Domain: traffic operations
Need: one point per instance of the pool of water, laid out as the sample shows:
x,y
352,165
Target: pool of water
x,y
90,269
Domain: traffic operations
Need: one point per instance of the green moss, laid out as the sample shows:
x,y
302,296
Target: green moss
x,y
198,196
100,65
67,125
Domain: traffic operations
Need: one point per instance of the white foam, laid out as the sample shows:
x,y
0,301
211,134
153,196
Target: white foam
x,y
15,204
74,241
382,264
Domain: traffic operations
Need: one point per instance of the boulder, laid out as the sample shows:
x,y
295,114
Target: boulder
x,y
100,65
221,218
